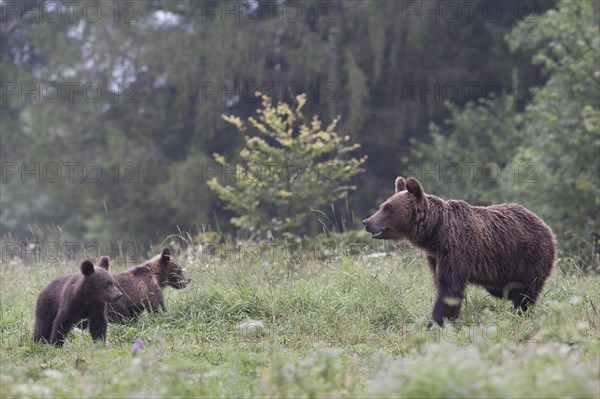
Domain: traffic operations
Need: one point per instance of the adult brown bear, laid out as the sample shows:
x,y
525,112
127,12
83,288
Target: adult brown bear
x,y
504,248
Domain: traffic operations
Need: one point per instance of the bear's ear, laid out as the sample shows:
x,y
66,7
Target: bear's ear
x,y
400,184
414,187
165,254
103,262
87,267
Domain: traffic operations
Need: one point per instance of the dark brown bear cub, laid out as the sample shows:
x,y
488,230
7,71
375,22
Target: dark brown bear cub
x,y
504,248
68,299
142,286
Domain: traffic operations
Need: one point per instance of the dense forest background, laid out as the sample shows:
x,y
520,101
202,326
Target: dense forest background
x,y
112,111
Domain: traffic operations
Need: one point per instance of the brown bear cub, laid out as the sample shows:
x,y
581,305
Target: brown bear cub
x,y
68,299
142,286
504,248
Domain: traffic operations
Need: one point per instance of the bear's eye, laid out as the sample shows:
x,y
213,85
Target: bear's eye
x,y
387,208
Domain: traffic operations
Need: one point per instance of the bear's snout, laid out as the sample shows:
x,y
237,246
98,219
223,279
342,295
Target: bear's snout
x,y
374,226
117,294
368,224
182,283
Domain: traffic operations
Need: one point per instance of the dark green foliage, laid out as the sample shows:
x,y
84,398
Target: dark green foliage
x,y
562,132
473,160
527,95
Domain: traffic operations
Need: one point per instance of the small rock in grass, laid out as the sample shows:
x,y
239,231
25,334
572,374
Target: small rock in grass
x,y
250,325
374,255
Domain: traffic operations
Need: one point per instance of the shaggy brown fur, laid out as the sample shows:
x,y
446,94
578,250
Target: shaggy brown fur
x,y
143,285
68,299
504,248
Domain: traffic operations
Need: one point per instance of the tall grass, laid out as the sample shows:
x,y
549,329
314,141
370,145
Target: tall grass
x,y
340,321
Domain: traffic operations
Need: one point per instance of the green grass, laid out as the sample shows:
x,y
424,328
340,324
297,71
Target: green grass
x,y
346,327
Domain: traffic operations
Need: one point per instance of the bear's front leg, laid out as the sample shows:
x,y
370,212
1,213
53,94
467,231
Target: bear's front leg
x,y
60,329
155,302
98,327
450,292
432,261
447,306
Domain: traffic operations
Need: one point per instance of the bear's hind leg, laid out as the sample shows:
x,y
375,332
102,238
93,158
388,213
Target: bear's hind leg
x,y
42,331
525,295
44,319
520,300
495,292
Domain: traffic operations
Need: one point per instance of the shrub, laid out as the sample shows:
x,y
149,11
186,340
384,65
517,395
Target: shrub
x,y
289,167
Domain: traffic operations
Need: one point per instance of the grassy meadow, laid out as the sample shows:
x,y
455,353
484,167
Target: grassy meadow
x,y
347,322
